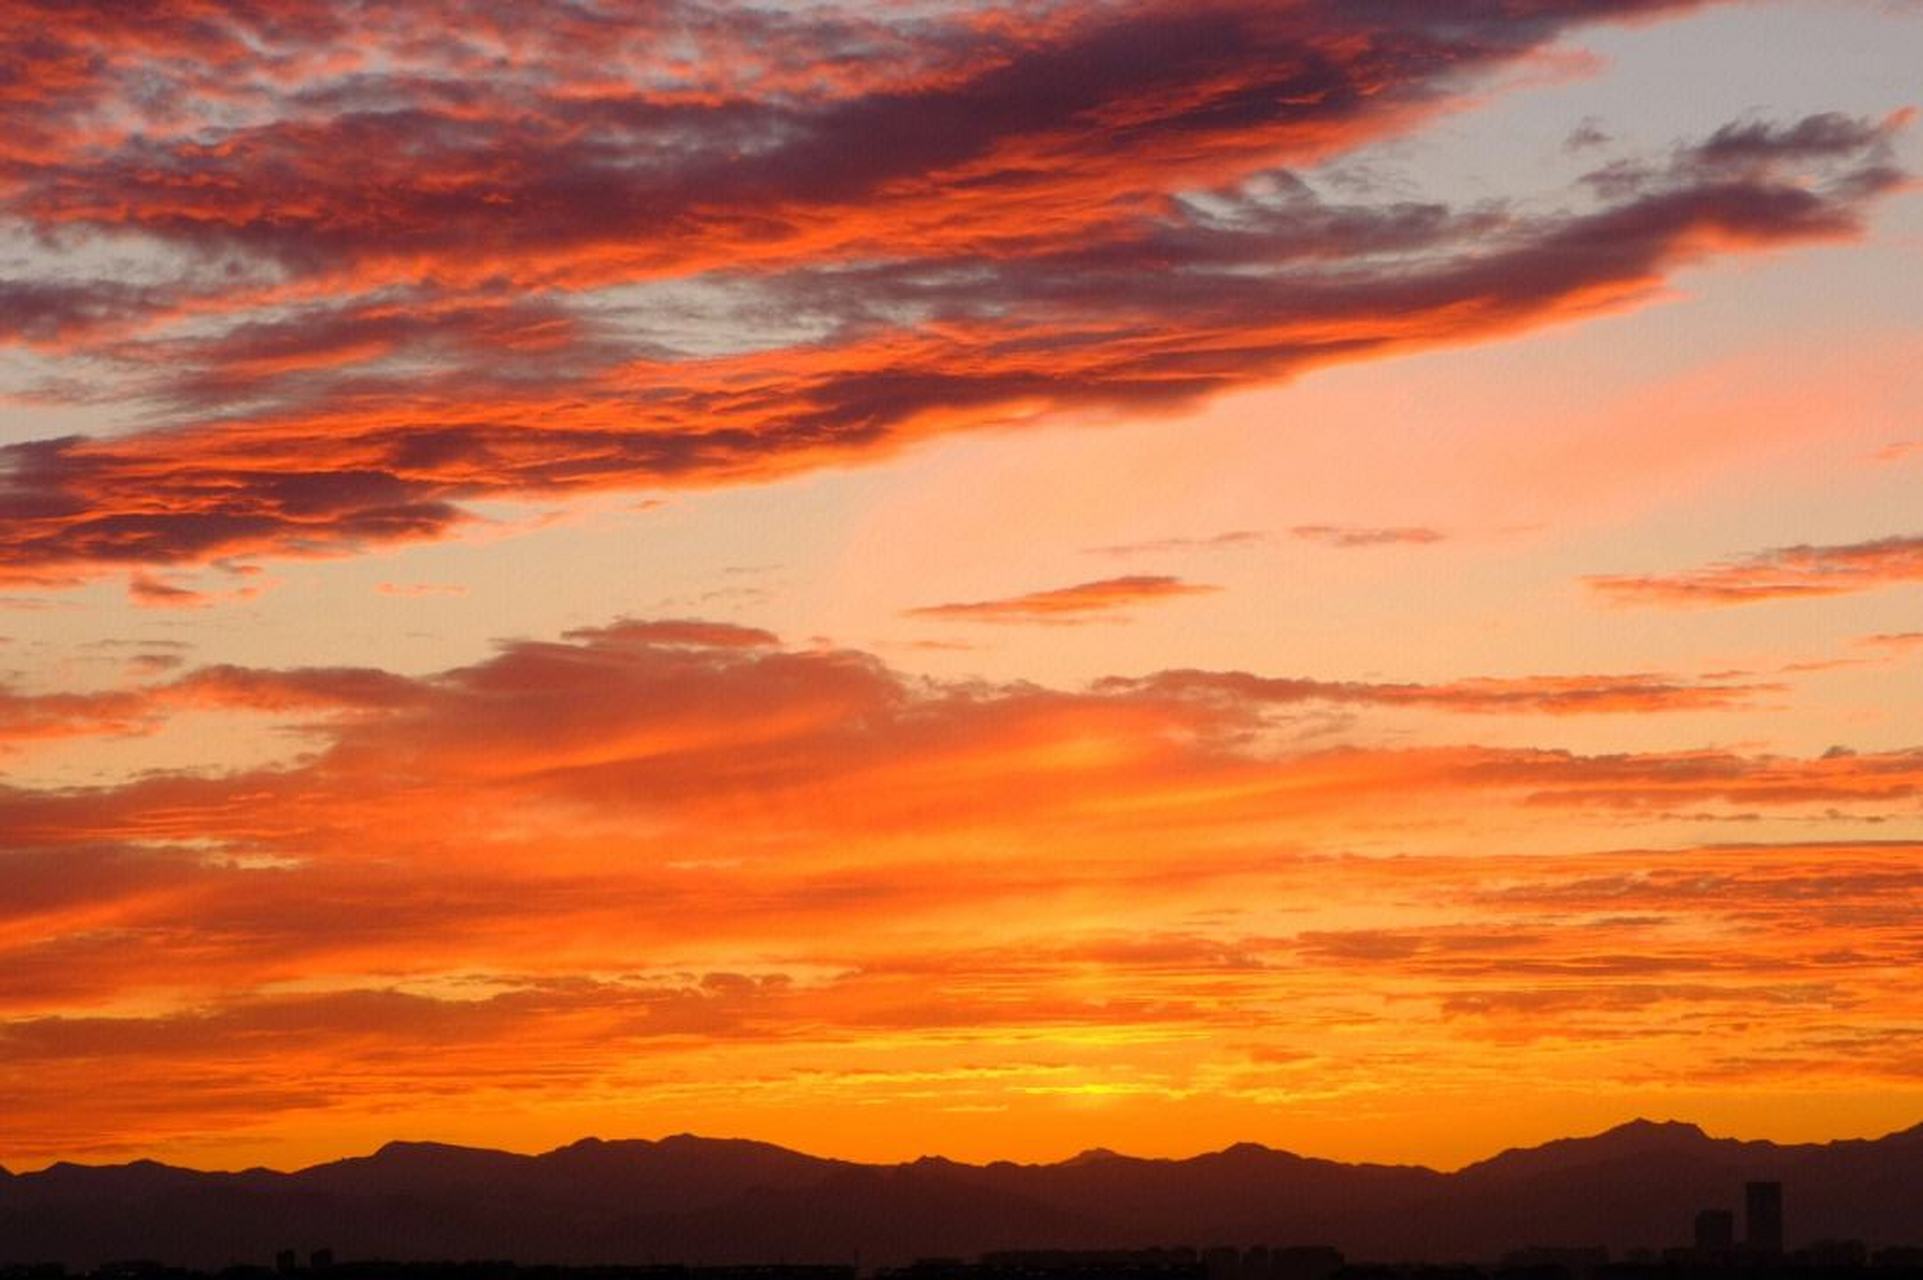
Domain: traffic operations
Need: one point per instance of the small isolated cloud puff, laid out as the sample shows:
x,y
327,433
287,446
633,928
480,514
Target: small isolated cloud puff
x,y
419,590
1351,536
1588,133
1898,641
1157,546
148,591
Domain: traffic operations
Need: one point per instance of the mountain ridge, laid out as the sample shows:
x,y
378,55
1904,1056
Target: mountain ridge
x,y
698,1199
399,1146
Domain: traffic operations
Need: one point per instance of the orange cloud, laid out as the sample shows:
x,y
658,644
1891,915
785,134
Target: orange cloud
x,y
1080,603
659,852
28,717
1785,573
1554,695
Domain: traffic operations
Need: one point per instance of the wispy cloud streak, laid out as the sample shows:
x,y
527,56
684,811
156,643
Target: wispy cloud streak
x,y
1784,573
1083,602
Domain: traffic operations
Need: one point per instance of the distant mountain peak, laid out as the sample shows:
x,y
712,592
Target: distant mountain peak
x,y
411,1146
1094,1155
1632,1140
402,1150
1641,1128
697,1141
143,1165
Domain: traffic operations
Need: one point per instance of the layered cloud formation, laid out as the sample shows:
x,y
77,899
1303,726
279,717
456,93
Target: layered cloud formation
x,y
647,245
588,863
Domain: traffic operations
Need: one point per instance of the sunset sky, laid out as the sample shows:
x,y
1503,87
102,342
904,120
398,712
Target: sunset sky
x,y
933,576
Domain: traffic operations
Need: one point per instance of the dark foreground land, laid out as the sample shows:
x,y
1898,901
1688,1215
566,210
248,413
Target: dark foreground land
x,y
1837,1260
1643,1195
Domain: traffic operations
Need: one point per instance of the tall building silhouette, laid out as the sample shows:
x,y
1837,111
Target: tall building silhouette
x,y
1763,1217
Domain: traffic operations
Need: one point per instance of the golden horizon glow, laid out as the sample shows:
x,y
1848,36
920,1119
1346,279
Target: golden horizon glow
x,y
961,579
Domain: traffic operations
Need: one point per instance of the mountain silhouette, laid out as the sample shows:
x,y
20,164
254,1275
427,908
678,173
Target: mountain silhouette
x,y
706,1200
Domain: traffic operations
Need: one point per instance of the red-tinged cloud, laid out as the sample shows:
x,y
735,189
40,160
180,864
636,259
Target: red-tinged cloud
x,y
26,717
1658,781
1785,573
306,689
1551,695
679,715
805,239
1349,536
762,136
579,868
1083,602
130,712
325,690
148,591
